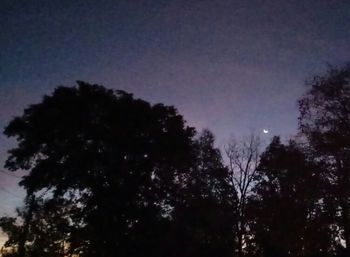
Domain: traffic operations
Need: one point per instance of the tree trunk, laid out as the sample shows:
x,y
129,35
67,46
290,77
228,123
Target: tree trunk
x,y
346,225
343,191
26,225
241,234
240,243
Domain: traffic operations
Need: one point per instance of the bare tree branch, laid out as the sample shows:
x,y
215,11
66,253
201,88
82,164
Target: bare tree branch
x,y
243,159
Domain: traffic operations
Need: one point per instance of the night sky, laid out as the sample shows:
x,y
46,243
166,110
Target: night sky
x,y
231,66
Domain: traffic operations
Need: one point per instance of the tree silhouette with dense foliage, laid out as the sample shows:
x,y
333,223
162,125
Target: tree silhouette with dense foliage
x,y
288,217
325,122
44,235
206,216
120,176
111,175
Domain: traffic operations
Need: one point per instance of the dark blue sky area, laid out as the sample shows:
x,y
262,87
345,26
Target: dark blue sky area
x,y
231,66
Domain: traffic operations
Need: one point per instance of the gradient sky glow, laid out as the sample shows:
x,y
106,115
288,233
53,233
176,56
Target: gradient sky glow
x,y
230,66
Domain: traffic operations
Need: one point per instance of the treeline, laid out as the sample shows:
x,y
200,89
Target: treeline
x,y
110,175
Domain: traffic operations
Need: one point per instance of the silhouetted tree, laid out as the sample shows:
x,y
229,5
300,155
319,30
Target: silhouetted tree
x,y
40,229
117,158
289,218
243,156
120,176
111,175
206,216
325,122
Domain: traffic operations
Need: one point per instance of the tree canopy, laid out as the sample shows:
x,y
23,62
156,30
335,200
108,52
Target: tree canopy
x,y
112,175
325,122
116,166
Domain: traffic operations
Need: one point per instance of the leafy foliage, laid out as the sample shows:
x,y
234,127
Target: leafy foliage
x,y
111,175
290,218
325,122
118,171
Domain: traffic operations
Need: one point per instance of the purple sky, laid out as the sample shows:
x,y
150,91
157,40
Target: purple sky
x,y
230,66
